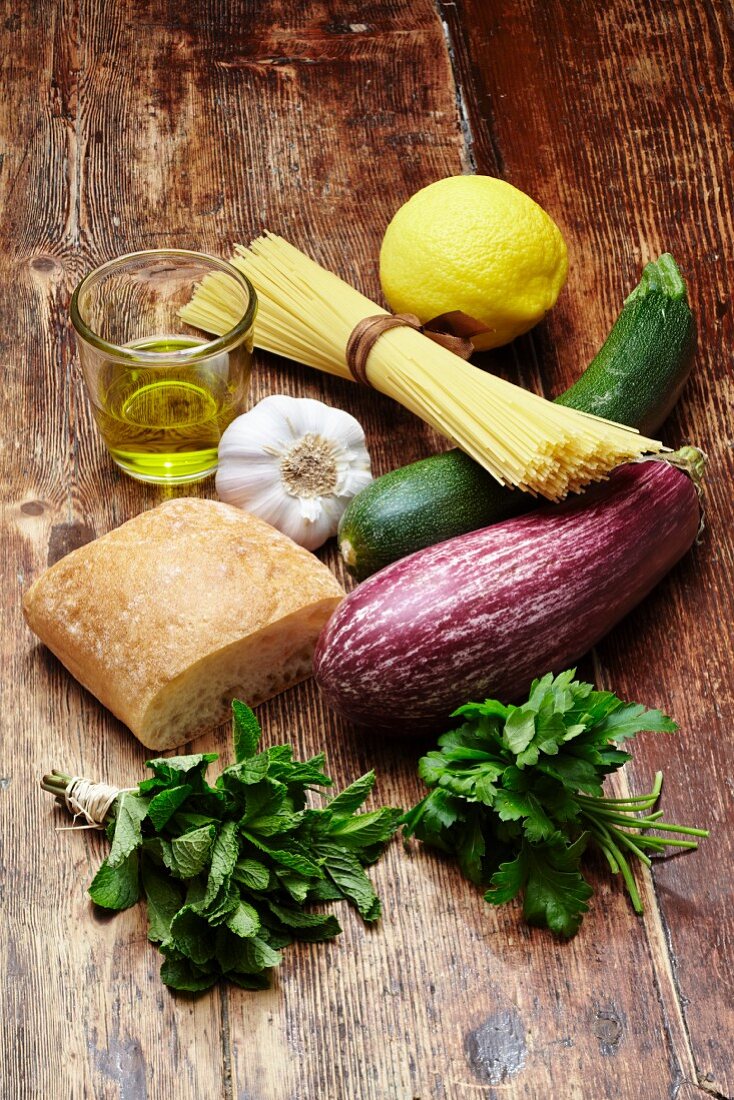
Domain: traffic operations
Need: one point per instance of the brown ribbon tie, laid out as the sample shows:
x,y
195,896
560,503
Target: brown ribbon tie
x,y
452,331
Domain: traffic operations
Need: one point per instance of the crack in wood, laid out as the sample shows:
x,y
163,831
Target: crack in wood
x,y
462,108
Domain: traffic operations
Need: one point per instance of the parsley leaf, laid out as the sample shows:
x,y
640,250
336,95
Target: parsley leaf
x,y
555,890
515,794
628,719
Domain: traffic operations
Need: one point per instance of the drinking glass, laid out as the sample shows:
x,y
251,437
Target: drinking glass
x,y
161,392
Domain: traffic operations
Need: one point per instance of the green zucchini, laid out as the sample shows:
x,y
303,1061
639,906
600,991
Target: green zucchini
x,y
635,379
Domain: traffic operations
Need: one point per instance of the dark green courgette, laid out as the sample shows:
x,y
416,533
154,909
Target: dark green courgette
x,y
635,379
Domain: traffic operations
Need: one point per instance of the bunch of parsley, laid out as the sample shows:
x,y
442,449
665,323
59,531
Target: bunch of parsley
x,y
228,870
516,797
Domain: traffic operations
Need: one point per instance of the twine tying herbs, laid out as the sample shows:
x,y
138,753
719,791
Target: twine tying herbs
x,y
83,798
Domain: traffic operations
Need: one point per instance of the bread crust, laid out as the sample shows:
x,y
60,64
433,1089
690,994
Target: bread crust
x,y
137,608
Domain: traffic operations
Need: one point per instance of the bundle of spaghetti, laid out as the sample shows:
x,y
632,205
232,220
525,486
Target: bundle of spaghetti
x,y
307,313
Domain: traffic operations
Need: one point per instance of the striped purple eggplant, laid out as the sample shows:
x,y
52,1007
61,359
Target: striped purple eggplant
x,y
481,615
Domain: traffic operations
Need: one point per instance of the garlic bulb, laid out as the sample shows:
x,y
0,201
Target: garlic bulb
x,y
296,463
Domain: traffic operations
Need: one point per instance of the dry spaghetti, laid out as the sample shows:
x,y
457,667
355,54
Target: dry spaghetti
x,y
307,313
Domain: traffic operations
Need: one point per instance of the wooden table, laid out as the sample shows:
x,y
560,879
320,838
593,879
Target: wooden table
x,y
197,124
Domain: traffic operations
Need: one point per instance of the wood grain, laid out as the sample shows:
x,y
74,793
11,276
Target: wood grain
x,y
619,123
198,124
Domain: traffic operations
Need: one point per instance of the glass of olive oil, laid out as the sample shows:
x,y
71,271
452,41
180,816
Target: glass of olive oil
x,y
161,392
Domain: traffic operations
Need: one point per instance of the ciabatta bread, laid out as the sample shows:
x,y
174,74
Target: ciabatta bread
x,y
183,608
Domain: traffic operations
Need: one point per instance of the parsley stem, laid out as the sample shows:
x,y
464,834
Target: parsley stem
x,y
620,805
410,820
625,839
603,838
613,817
658,843
614,866
647,799
646,823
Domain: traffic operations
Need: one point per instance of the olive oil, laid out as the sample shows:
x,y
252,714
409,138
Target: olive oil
x,y
163,422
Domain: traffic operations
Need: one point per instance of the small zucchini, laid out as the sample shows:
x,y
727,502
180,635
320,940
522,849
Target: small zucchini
x,y
635,379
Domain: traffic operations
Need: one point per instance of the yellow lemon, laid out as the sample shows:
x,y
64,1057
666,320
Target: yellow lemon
x,y
477,244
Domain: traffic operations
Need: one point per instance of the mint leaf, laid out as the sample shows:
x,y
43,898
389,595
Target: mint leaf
x,y
164,898
223,858
352,797
222,906
265,799
257,954
190,935
297,888
116,887
312,927
273,824
131,811
307,774
246,731
175,770
295,858
164,805
227,869
364,829
190,852
253,875
246,774
244,921
183,975
184,821
324,891
252,982
349,875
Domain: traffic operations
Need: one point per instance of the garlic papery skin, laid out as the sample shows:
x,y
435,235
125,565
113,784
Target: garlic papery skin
x,y
296,463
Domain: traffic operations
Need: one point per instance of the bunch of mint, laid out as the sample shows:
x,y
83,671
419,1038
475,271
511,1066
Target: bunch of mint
x,y
516,797
228,870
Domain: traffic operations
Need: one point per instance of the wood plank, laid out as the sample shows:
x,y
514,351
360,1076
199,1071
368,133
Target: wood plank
x,y
619,123
73,1024
196,125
